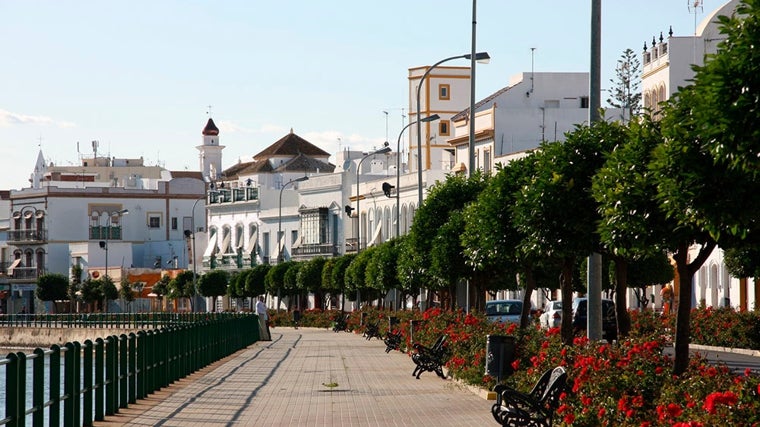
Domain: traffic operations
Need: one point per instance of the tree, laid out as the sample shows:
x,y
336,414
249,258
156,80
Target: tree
x,y
75,286
290,282
108,291
275,280
649,271
255,282
91,293
126,293
160,289
310,279
443,204
356,278
626,93
383,273
338,275
213,284
52,287
182,286
556,213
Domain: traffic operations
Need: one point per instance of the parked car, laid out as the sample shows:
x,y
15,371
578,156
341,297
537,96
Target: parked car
x,y
504,310
609,319
552,315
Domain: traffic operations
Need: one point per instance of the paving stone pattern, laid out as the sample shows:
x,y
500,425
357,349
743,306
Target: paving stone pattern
x,y
284,382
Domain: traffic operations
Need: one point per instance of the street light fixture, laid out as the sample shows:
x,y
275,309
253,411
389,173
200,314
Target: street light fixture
x,y
279,218
432,118
481,57
195,256
104,244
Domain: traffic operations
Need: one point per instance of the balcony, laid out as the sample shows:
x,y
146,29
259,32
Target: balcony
x,y
224,195
319,249
26,274
112,232
27,236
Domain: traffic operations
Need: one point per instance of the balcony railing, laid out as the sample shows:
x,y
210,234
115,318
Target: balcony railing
x,y
321,249
98,232
226,195
27,236
26,273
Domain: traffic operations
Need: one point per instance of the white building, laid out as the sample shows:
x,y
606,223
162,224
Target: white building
x,y
105,215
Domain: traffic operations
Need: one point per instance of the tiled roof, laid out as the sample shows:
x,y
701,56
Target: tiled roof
x,y
466,112
210,128
305,163
235,170
291,145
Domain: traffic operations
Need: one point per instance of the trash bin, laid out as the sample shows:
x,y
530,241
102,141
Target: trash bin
x,y
500,353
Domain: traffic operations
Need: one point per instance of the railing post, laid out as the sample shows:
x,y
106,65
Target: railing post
x,y
87,383
55,385
100,383
77,379
13,397
123,378
38,388
132,368
110,368
140,371
69,391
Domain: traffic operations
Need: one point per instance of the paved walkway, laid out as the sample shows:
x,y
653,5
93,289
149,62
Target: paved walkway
x,y
281,383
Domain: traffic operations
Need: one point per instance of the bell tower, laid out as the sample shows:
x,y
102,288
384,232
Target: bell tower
x,y
210,155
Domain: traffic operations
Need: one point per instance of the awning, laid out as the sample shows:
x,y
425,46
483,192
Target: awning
x,y
297,243
252,241
15,264
377,236
212,248
459,167
239,243
225,248
279,248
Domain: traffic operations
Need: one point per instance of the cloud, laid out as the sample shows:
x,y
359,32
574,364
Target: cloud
x,y
8,118
229,126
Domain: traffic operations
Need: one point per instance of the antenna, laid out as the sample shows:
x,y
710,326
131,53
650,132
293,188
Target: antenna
x,y
532,55
386,124
208,111
695,6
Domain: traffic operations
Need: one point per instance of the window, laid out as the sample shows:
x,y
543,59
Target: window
x,y
154,220
174,223
443,128
584,101
314,226
444,92
487,160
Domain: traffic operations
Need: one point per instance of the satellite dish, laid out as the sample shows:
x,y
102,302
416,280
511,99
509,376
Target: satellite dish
x,y
347,165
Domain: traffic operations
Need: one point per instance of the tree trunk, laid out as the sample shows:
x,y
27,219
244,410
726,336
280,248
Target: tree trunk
x,y
683,328
566,289
621,311
530,284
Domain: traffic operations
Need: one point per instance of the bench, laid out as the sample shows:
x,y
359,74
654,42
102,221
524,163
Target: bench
x,y
431,358
392,341
341,323
372,331
514,408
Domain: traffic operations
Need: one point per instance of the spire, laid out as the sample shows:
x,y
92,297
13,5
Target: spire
x,y
210,128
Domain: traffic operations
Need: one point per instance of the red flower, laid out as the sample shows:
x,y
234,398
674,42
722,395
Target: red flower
x,y
516,365
727,398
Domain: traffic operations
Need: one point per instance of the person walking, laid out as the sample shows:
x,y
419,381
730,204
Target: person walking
x,y
261,311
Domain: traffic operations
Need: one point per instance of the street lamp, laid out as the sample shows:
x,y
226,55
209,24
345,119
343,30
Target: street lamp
x,y
383,150
104,244
481,57
279,218
432,118
195,256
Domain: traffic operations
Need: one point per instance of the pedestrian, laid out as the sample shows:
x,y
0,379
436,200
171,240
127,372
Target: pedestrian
x,y
667,298
261,311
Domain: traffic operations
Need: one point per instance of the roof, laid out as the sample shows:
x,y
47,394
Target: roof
x,y
291,145
305,163
187,174
464,113
236,169
210,128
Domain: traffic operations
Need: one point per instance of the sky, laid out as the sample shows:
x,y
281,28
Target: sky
x,y
142,77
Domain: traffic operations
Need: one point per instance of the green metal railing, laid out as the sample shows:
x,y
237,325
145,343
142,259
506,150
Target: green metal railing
x,y
110,373
103,320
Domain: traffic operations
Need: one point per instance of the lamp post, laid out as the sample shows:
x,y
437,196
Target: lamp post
x,y
195,256
481,57
432,118
279,218
104,244
383,150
